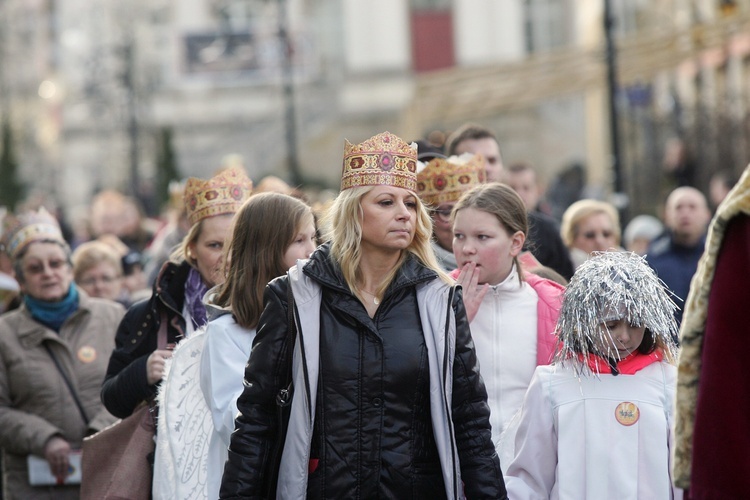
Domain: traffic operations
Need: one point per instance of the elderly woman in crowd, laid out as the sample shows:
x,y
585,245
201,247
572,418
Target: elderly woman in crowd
x,y
590,226
53,356
98,270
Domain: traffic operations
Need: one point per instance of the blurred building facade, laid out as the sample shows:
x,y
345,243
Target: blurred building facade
x,y
88,85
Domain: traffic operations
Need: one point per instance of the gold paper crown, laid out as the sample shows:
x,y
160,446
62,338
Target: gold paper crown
x,y
29,227
444,180
222,194
382,160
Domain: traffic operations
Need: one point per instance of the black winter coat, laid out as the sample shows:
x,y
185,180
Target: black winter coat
x,y
126,384
372,436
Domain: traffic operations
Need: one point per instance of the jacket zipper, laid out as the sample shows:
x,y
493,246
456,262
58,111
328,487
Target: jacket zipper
x,y
445,396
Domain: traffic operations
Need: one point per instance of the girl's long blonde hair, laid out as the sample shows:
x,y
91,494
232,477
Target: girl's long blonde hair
x,y
343,223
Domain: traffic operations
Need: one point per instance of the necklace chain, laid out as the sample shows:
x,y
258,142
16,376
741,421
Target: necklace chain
x,y
375,299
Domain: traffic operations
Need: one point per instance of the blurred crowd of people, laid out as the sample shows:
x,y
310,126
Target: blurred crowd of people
x,y
396,382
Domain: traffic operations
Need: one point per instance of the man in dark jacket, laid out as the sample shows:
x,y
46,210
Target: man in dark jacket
x,y
674,256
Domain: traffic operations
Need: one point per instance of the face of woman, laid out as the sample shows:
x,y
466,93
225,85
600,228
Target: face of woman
x,y
441,225
479,238
388,219
101,281
46,273
595,233
206,250
303,244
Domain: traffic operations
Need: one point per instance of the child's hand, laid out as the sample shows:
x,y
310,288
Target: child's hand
x,y
473,292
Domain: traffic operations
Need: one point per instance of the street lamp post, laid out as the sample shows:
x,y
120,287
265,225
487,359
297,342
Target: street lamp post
x,y
287,76
614,129
128,78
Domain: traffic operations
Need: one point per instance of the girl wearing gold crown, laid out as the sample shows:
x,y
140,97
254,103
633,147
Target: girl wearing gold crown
x,y
367,347
53,355
137,363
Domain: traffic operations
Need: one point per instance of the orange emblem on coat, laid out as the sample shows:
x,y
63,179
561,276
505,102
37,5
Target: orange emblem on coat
x,y
86,354
627,413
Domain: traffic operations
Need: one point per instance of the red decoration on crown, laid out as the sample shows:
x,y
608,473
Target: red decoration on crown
x,y
444,180
222,194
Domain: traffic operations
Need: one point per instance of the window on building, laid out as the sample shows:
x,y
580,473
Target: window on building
x,y
432,38
548,24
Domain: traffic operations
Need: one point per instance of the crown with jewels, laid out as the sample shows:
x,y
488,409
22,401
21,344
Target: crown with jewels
x,y
28,227
444,180
382,160
222,194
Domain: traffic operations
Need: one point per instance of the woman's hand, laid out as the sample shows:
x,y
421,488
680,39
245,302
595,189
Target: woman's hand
x,y
155,365
473,293
56,452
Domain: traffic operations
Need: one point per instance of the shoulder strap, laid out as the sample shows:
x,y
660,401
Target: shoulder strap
x,y
68,383
284,397
161,338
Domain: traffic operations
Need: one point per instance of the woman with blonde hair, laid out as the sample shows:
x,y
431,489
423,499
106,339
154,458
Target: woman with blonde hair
x,y
590,226
137,364
98,270
386,397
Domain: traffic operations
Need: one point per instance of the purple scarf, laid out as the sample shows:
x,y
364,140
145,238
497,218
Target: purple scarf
x,y
194,292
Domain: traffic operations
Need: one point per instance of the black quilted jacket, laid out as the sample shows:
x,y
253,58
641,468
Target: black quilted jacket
x,y
372,434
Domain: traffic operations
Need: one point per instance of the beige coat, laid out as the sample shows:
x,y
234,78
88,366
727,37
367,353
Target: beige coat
x,y
35,403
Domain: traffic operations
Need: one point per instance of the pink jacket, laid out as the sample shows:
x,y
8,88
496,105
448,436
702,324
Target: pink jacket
x,y
548,308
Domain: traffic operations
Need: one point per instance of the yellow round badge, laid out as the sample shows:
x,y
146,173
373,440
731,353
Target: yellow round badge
x,y
87,354
627,413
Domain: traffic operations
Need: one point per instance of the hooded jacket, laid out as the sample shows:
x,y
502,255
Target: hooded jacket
x,y
386,407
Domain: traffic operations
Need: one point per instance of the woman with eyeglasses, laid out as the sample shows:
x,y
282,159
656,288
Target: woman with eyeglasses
x,y
440,183
590,226
98,269
54,351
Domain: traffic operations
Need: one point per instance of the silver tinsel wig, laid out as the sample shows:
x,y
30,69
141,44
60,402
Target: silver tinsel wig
x,y
610,286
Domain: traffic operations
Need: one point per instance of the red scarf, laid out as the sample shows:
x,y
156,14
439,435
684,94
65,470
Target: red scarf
x,y
628,365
